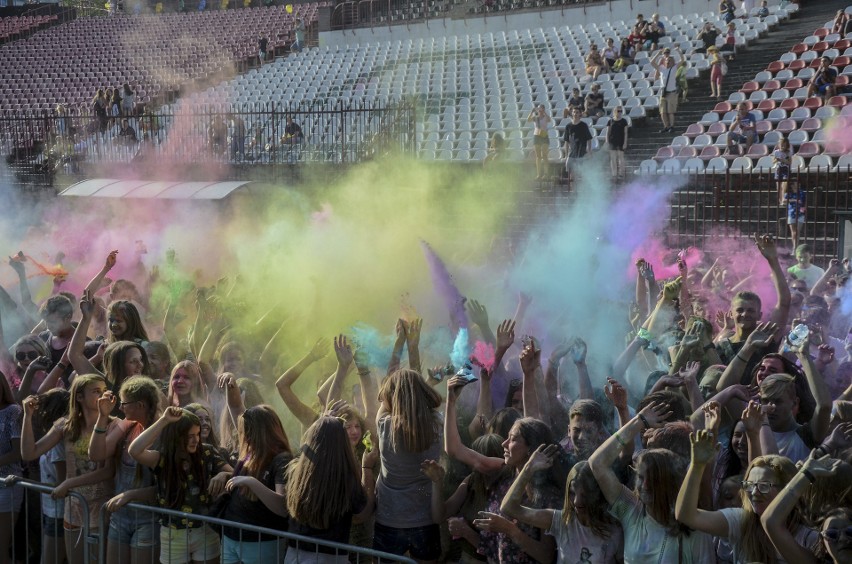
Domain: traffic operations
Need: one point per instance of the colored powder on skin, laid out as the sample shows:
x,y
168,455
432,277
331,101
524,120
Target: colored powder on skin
x,y
461,349
483,355
445,286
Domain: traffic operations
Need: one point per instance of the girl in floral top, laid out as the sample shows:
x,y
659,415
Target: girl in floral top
x,y
190,476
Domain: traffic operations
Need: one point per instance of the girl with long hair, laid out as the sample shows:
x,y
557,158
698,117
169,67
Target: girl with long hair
x,y
583,527
52,405
125,323
500,540
186,385
764,479
131,534
409,432
249,397
93,480
10,464
205,418
324,495
190,476
257,490
646,513
836,540
470,497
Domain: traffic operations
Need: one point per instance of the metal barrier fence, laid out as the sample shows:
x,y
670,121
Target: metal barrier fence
x,y
328,132
201,543
709,205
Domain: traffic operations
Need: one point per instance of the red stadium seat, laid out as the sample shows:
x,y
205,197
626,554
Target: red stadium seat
x,y
837,101
808,150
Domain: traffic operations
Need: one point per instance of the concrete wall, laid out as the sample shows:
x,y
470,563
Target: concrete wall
x,y
575,15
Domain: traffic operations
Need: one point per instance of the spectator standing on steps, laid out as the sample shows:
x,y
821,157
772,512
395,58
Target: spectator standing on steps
x,y
665,64
577,142
262,47
299,32
616,139
717,74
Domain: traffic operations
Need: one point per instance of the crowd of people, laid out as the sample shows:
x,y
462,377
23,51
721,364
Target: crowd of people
x,y
735,447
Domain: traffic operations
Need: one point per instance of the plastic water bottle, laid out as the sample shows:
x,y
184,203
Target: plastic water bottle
x,y
798,335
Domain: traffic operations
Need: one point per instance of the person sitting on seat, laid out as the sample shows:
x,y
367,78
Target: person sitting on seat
x,y
743,129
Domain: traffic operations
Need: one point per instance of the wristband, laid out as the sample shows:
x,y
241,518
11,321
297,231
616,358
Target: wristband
x,y
741,358
619,438
644,421
62,365
100,431
807,474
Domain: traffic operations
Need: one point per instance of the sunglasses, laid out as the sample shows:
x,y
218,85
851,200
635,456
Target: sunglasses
x,y
32,355
834,535
762,487
124,403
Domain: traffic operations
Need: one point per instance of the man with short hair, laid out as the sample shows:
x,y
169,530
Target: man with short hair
x,y
804,269
577,141
666,67
822,82
743,129
707,35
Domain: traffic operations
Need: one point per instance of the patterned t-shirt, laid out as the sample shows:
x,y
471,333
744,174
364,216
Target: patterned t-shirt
x,y
195,499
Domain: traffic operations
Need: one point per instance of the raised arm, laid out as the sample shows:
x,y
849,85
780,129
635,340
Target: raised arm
x,y
42,363
601,461
763,335
228,383
396,353
704,448
30,449
578,355
369,392
512,504
412,339
140,448
774,518
105,437
822,284
435,472
303,413
531,366
17,264
766,246
478,314
97,282
452,441
761,439
816,384
484,406
76,348
345,358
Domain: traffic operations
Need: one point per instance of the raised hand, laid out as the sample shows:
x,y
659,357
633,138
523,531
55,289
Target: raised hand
x,y
753,415
712,416
477,313
412,335
110,260
343,351
335,408
690,371
530,358
172,414
724,320
433,470
30,405
319,350
825,354
505,334
106,403
616,393
763,335
454,387
578,350
561,350
681,264
88,304
17,263
766,245
542,458
840,438
704,446
401,330
656,413
823,467
671,290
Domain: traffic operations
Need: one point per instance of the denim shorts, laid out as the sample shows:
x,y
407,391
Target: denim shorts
x,y
423,543
262,552
52,527
134,532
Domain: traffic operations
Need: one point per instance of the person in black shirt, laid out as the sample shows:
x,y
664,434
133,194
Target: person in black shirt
x,y
575,102
823,81
262,47
292,132
707,35
577,141
616,138
127,134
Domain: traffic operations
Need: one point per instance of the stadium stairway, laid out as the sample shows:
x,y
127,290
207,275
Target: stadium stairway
x,y
647,138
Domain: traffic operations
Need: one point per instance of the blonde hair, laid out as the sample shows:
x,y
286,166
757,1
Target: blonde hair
x,y
412,404
198,392
76,419
755,545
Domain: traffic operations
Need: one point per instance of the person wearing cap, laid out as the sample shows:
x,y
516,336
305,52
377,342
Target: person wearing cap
x,y
822,82
666,65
